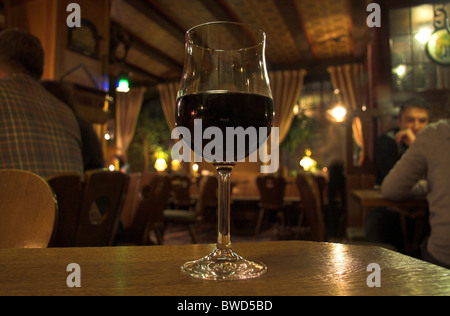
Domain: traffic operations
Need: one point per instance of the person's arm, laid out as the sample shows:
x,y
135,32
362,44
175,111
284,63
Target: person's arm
x,y
403,180
406,136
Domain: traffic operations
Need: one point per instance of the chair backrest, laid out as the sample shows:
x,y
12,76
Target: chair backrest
x,y
322,185
28,210
312,203
67,189
132,199
207,199
103,199
271,191
150,212
181,197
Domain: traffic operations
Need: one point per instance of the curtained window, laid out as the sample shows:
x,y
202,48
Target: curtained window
x,y
168,95
128,107
349,80
286,89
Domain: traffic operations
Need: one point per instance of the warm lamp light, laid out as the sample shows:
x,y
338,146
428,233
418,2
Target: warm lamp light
x,y
160,165
175,165
424,35
195,168
308,163
338,113
400,71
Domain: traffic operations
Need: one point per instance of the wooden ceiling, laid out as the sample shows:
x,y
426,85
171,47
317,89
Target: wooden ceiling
x,y
309,34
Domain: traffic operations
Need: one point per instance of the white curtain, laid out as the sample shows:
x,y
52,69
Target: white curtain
x,y
349,80
286,89
168,95
128,107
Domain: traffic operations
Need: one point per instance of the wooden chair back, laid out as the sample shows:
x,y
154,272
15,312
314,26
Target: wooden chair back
x,y
28,210
311,200
271,191
181,197
207,201
67,189
150,212
103,199
132,199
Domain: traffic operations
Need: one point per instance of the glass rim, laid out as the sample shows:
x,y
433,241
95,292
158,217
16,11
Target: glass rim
x,y
252,27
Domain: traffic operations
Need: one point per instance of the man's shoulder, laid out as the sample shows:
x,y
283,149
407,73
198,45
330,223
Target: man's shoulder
x,y
441,127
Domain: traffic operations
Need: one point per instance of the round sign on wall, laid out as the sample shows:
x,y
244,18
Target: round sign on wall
x,y
438,47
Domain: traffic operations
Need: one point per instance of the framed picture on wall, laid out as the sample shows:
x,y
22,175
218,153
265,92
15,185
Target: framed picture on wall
x,y
84,39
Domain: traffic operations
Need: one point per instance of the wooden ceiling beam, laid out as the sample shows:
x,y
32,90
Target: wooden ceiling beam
x,y
359,27
153,13
152,77
155,53
116,69
293,22
220,10
137,43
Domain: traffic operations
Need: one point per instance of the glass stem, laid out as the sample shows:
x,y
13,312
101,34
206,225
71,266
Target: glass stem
x,y
223,212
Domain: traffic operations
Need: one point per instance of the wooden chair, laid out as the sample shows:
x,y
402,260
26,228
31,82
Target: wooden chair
x,y
312,202
180,189
150,212
207,201
28,210
67,189
132,199
271,193
103,197
183,207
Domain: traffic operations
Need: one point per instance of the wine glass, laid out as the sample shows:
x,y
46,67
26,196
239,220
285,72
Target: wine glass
x,y
225,85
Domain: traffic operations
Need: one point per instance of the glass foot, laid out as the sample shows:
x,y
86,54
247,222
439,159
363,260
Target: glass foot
x,y
224,265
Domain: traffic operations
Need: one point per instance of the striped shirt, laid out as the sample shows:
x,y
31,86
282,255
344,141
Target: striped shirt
x,y
37,132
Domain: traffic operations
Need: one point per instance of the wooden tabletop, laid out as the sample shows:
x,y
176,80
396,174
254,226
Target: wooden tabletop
x,y
372,198
294,268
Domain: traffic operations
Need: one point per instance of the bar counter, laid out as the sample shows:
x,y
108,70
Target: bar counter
x,y
294,268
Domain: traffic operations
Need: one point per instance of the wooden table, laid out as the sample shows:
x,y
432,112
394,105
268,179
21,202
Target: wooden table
x,y
294,268
257,198
415,208
373,198
253,198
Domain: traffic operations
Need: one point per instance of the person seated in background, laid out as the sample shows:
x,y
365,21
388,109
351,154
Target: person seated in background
x,y
429,155
383,224
91,147
38,132
389,147
333,153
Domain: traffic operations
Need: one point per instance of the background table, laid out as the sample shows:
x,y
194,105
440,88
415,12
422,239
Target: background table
x,y
372,198
415,208
294,268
